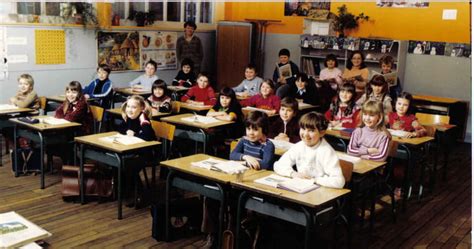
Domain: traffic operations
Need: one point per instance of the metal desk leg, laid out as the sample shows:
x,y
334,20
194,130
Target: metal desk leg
x,y
119,180
40,135
240,204
205,140
169,178
407,179
15,154
81,173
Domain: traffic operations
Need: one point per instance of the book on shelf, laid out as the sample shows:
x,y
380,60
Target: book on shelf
x,y
285,71
16,231
224,166
297,185
390,78
122,139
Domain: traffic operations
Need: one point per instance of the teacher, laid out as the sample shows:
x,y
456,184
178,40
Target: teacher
x,y
190,46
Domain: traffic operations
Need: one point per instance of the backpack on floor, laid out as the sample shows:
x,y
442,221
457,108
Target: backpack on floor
x,y
28,158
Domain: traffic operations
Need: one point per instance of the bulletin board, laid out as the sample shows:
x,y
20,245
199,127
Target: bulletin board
x,y
50,46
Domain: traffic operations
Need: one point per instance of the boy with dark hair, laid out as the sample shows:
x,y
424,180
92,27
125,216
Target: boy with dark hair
x,y
251,84
284,84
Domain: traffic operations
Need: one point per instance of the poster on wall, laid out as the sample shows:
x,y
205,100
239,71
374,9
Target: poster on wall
x,y
403,4
119,50
426,47
457,50
160,47
311,9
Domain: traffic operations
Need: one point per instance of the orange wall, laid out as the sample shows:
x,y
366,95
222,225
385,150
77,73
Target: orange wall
x,y
392,23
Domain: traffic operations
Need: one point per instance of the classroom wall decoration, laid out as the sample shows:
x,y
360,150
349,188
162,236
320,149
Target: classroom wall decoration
x,y
160,47
119,50
50,47
316,10
440,48
458,50
403,4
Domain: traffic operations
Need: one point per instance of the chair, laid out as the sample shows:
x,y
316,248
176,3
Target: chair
x,y
430,119
175,107
165,132
98,115
43,103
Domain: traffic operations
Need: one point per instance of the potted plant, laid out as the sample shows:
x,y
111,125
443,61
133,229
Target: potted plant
x,y
344,21
142,18
80,13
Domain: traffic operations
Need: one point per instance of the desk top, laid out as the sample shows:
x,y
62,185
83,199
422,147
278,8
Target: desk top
x,y
129,91
408,141
177,88
118,112
183,164
15,110
177,119
311,199
246,110
94,140
435,99
195,107
44,127
364,166
304,106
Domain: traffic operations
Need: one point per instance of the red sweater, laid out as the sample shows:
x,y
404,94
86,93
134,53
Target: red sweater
x,y
348,121
78,112
272,102
206,95
407,123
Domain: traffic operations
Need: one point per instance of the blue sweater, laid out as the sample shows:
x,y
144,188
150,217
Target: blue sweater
x,y
263,151
104,92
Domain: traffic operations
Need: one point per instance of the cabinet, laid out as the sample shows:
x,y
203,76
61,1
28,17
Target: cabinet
x,y
234,52
314,49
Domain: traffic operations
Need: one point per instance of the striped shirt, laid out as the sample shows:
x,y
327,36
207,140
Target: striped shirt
x,y
364,138
263,151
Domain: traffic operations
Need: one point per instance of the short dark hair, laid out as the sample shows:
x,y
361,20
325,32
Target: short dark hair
x,y
409,97
192,24
290,102
313,121
284,51
302,77
386,59
331,57
104,67
187,61
160,84
251,67
257,119
153,63
349,61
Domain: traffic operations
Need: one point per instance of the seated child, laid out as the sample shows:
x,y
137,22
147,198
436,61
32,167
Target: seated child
x,y
404,118
202,94
185,76
284,83
255,148
136,118
377,90
75,107
265,99
371,139
251,84
26,97
386,64
313,156
304,90
159,99
286,128
228,109
343,111
331,73
100,88
147,79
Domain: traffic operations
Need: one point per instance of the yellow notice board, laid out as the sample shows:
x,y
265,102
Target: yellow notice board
x,y
50,47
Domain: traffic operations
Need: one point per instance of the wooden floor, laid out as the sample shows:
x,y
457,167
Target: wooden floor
x,y
442,219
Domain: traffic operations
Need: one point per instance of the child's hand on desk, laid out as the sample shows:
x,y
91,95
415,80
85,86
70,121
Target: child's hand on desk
x,y
130,133
411,135
282,136
300,175
372,151
252,162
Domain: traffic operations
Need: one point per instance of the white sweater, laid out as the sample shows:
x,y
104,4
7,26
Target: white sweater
x,y
319,161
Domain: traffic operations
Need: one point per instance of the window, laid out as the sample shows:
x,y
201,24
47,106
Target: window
x,y
53,9
169,11
28,8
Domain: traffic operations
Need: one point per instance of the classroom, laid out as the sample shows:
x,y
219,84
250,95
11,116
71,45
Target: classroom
x,y
235,124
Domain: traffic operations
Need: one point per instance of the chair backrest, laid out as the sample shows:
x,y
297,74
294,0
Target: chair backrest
x,y
43,102
347,168
392,149
233,144
98,115
430,130
175,107
429,119
163,130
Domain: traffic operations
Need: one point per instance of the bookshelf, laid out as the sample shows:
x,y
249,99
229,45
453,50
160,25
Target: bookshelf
x,y
314,49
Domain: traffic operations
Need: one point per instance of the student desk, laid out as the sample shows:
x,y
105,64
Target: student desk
x,y
248,109
286,205
304,108
128,91
116,113
195,108
44,134
176,90
112,154
6,114
212,184
193,130
57,100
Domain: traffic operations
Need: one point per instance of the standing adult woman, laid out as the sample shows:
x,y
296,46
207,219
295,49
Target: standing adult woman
x,y
190,46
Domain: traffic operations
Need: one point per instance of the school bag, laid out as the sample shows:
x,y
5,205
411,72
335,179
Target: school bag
x,y
28,158
97,182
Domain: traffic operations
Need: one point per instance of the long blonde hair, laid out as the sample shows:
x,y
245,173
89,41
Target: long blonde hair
x,y
372,107
146,108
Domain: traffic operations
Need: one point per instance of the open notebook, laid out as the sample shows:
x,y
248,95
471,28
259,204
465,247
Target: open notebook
x,y
7,107
200,119
228,167
122,139
53,121
16,231
297,185
398,133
